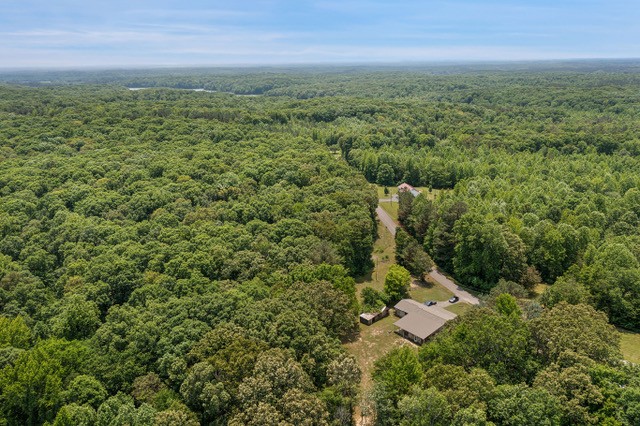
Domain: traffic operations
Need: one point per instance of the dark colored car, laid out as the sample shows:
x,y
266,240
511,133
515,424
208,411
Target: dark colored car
x,y
430,302
454,299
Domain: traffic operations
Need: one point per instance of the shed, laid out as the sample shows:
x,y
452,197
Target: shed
x,y
371,317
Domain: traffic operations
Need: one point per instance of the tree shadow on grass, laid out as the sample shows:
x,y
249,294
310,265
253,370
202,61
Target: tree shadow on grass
x,y
352,336
422,283
366,277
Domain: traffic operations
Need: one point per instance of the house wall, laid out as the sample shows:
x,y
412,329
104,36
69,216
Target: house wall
x,y
415,339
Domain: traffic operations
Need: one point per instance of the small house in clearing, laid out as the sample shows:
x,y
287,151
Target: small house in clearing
x,y
405,187
370,318
418,322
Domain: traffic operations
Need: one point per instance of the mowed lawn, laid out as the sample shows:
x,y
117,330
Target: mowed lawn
x,y
431,195
459,308
391,189
390,207
384,255
630,345
429,290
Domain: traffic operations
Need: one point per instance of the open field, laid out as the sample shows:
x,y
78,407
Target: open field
x,y
630,345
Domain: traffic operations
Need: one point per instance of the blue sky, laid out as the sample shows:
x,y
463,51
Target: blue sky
x,y
115,33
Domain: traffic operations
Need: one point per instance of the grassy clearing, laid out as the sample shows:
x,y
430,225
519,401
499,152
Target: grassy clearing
x,y
630,346
390,207
459,308
384,255
540,288
373,342
392,190
376,340
429,290
431,195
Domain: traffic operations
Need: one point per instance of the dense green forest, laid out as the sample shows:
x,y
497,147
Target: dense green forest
x,y
199,267
175,257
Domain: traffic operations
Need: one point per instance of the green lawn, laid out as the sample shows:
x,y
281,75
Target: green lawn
x,y
430,195
384,255
459,308
390,207
429,290
630,345
381,194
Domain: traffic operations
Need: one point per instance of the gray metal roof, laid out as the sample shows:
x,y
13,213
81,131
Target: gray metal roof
x,y
421,324
410,305
421,320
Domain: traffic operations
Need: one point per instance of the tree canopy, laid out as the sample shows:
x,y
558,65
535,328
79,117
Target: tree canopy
x,y
171,256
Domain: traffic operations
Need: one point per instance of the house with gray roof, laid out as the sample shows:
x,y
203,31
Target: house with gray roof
x,y
419,322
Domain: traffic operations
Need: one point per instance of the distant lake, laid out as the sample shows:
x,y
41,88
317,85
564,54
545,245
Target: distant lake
x,y
193,90
179,88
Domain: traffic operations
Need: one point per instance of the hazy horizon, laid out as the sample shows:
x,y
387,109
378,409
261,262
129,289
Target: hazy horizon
x,y
320,65
69,34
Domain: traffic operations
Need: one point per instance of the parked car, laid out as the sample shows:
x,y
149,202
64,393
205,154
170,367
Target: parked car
x,y
430,302
454,299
